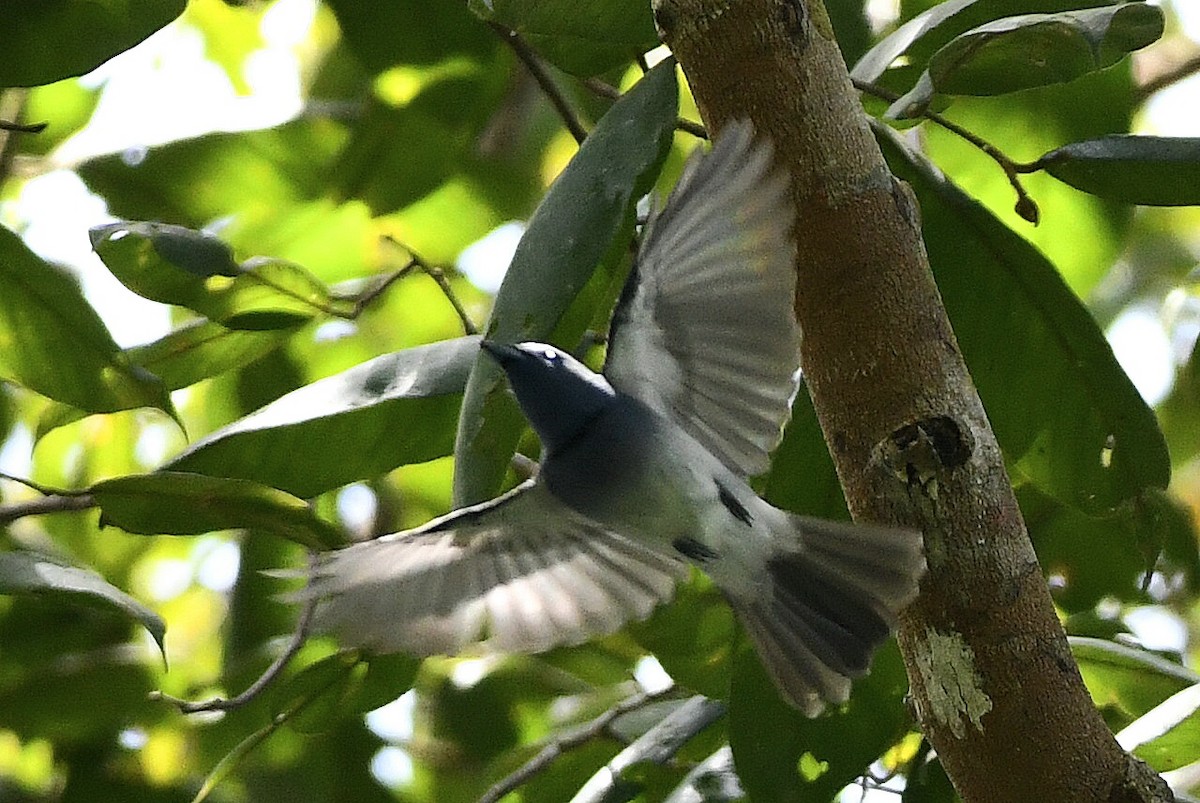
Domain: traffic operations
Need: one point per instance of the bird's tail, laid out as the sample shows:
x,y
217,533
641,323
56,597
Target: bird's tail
x,y
828,600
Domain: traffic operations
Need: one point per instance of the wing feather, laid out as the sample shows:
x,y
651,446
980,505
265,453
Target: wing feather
x,y
523,572
705,331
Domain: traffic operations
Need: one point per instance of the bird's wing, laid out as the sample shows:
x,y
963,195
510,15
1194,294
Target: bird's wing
x,y
705,331
522,571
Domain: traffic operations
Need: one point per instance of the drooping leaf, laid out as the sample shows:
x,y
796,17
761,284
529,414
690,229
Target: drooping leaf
x,y
1030,50
582,224
926,33
29,573
180,503
52,341
393,410
1066,415
1156,171
46,42
1132,680
175,265
583,38
783,756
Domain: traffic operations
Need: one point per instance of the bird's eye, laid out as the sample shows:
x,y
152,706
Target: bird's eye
x,y
550,356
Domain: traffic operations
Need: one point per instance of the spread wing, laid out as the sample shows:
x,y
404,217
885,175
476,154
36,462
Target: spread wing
x,y
705,331
522,571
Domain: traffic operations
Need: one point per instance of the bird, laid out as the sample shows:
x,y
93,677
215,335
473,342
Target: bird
x,y
644,471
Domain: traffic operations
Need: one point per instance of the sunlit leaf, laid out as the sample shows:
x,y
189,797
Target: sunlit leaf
x,y
29,573
52,341
84,33
1156,171
175,265
396,409
1065,413
1020,52
582,224
178,503
584,38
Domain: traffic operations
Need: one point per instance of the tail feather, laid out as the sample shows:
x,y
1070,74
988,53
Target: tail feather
x,y
832,596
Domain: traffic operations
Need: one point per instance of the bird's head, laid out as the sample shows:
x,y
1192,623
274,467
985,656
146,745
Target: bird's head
x,y
557,393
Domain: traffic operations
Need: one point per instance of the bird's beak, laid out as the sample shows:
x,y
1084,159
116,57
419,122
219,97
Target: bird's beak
x,y
502,353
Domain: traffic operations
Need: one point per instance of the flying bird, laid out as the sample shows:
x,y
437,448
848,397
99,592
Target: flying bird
x,y
644,472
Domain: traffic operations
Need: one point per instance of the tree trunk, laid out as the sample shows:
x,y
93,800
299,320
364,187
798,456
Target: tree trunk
x,y
995,687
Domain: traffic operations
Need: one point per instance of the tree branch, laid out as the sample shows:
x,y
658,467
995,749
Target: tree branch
x,y
556,747
657,745
993,681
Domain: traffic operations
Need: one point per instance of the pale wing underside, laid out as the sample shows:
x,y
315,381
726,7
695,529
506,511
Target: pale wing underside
x,y
705,331
522,572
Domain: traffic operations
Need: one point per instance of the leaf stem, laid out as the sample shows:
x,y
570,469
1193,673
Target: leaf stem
x,y
607,90
1026,207
256,688
537,69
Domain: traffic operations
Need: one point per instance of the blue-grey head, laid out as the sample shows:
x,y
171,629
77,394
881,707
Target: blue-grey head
x,y
557,393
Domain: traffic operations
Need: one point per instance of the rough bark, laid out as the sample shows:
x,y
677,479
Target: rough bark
x,y
995,687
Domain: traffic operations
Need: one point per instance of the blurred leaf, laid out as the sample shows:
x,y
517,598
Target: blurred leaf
x,y
926,781
230,35
584,37
802,477
390,411
1133,680
1065,413
201,349
583,223
775,747
175,265
1156,171
178,503
65,105
53,342
416,32
1020,52
84,33
250,176
233,759
29,573
693,638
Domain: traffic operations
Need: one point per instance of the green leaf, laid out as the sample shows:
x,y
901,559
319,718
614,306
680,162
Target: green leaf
x,y
393,410
411,32
175,265
583,37
926,33
583,223
178,503
783,756
53,342
1068,418
84,33
1132,680
314,698
1155,171
802,477
28,573
1030,50
200,350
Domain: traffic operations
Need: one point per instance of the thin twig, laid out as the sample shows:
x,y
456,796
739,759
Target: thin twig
x,y
585,733
363,301
23,128
607,90
1026,207
256,688
439,276
1172,75
48,504
538,70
